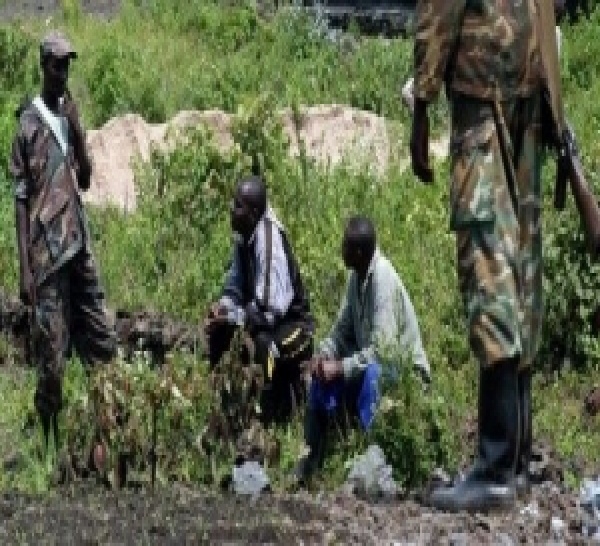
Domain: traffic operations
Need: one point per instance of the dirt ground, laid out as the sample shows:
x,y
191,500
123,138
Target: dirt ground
x,y
10,9
178,515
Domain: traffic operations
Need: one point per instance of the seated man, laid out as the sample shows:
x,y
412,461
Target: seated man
x,y
376,322
264,293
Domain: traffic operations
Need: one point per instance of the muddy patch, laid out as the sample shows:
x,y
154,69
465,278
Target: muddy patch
x,y
179,514
14,9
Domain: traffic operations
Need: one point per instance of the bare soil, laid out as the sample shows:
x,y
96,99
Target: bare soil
x,y
331,134
176,514
11,9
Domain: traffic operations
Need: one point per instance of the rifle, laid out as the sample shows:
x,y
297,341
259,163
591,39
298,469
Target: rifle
x,y
569,167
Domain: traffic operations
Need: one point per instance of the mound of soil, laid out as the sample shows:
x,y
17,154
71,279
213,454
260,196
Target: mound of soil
x,y
122,141
330,133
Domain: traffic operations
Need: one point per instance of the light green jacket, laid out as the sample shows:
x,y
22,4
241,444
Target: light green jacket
x,y
375,320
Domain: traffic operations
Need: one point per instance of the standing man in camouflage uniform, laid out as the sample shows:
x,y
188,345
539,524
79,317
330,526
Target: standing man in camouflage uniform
x,y
488,53
58,275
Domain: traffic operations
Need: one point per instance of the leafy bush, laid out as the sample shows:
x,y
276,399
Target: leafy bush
x,y
141,412
413,429
19,60
120,80
571,328
572,283
8,257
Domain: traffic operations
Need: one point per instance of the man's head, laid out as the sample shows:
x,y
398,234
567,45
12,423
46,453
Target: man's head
x,y
248,206
56,53
359,244
559,9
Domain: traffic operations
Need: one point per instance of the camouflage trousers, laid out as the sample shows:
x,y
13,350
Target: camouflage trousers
x,y
495,210
70,314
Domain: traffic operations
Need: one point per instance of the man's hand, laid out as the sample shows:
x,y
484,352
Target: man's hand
x,y
27,287
419,143
71,112
217,314
323,369
330,370
310,367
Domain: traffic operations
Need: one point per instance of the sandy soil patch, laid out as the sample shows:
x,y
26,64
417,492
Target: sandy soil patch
x,y
331,134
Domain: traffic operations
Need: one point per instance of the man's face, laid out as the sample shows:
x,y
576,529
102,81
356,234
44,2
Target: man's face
x,y
56,74
242,218
350,253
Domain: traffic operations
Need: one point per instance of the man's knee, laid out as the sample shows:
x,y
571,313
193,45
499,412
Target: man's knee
x,y
218,341
95,337
262,346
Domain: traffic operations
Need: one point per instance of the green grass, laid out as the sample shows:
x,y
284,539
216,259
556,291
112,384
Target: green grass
x,y
170,254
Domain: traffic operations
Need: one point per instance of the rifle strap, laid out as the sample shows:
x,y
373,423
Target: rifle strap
x,y
268,258
505,151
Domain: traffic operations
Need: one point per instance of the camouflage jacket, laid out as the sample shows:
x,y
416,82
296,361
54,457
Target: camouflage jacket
x,y
45,179
488,49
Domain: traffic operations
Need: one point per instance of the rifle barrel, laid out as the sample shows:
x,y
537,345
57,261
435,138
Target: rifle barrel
x,y
587,206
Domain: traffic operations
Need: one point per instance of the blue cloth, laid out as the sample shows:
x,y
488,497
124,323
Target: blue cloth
x,y
329,396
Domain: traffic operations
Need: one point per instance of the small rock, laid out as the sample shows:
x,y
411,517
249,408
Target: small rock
x,y
7,510
502,539
14,461
531,510
250,479
458,539
590,508
370,477
440,477
557,526
483,522
591,402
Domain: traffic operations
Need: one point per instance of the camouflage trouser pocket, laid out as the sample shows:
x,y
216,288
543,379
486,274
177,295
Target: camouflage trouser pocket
x,y
474,168
53,222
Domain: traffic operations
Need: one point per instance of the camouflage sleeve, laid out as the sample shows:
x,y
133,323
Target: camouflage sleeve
x,y
437,27
18,167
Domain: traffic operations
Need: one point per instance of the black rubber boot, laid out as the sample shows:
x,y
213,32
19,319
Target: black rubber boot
x,y
523,482
48,403
490,484
45,419
315,432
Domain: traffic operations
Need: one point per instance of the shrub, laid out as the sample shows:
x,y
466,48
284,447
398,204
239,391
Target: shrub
x,y
19,58
413,429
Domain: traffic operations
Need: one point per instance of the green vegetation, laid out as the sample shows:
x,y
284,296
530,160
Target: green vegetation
x,y
171,253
